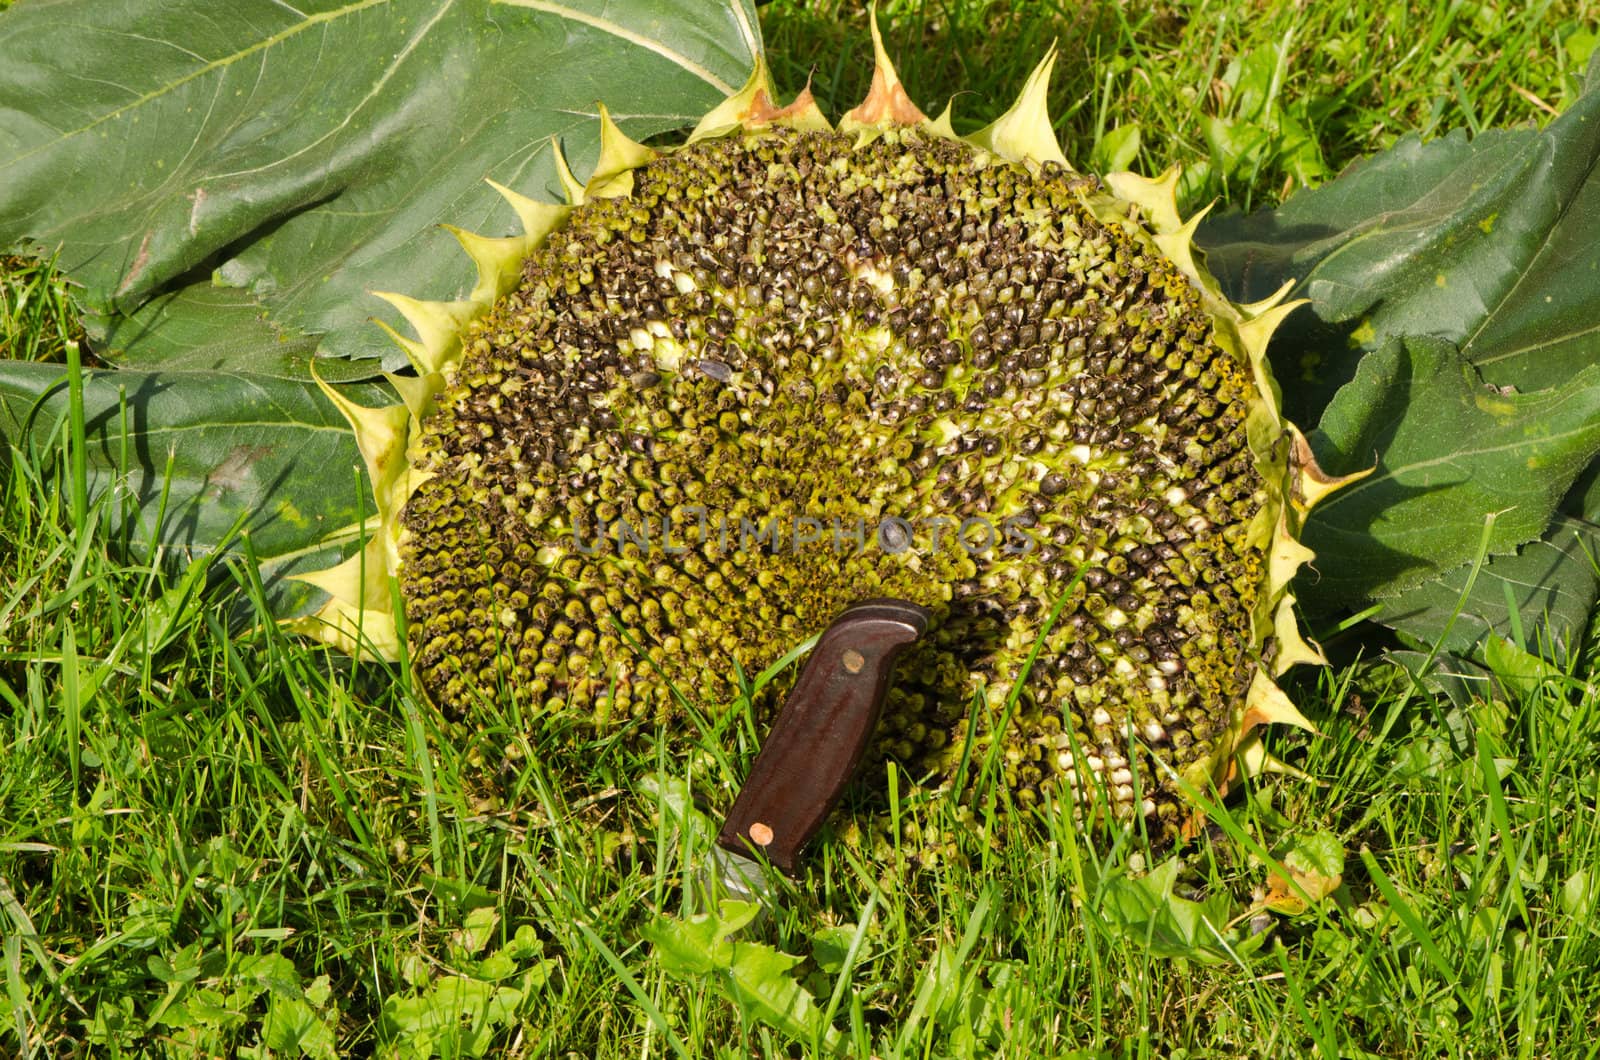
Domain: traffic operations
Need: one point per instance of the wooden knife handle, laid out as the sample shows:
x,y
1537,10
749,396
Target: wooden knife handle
x,y
821,733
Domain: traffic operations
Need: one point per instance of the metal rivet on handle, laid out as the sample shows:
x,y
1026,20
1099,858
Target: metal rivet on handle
x,y
761,833
853,661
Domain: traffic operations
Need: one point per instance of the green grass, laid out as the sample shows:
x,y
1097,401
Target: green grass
x,y
1256,98
37,315
195,830
217,842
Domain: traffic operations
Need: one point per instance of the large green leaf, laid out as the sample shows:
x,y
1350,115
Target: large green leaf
x,y
193,457
1489,243
305,153
1450,449
207,328
1548,587
1452,339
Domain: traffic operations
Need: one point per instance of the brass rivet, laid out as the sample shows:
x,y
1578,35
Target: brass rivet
x,y
761,833
853,661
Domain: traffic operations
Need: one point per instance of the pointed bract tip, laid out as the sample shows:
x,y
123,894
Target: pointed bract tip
x,y
887,102
1293,647
1266,704
353,580
1254,336
803,114
1256,760
357,618
1287,556
381,436
416,392
538,219
571,186
1157,198
1024,133
1308,483
942,125
437,324
733,112
416,353
498,259
1256,332
619,154
1178,244
1272,301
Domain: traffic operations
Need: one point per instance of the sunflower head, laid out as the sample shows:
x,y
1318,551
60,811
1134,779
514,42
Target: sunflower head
x,y
727,389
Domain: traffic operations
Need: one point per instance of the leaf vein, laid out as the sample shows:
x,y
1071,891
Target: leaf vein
x,y
216,64
1530,270
377,87
605,25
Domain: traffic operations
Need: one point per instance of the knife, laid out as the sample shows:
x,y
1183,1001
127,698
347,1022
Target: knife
x,y
815,744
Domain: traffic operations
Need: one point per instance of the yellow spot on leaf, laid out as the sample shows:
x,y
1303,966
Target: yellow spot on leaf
x,y
292,515
1495,407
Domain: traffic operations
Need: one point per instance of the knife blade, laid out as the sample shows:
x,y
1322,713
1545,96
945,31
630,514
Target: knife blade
x,y
815,743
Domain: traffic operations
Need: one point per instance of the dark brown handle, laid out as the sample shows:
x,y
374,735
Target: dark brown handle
x,y
821,733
